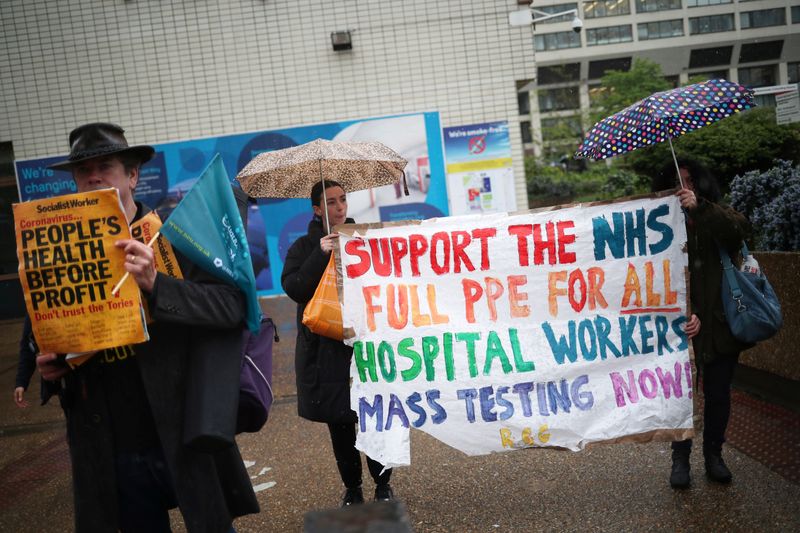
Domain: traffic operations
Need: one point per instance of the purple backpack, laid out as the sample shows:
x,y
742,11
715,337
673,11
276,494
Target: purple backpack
x,y
255,390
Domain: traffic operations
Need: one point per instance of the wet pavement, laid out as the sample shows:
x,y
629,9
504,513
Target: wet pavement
x,y
605,488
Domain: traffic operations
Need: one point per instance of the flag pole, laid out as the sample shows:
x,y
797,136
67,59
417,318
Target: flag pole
x,y
324,199
116,288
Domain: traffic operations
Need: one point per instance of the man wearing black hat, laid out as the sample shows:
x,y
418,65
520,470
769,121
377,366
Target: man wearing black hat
x,y
125,407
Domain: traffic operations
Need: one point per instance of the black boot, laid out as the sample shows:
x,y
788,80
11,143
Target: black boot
x,y
383,493
352,497
679,477
716,469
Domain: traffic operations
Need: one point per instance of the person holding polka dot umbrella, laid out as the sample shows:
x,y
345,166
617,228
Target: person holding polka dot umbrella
x,y
710,227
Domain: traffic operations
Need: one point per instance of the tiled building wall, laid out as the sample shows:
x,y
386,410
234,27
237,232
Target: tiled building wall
x,y
179,69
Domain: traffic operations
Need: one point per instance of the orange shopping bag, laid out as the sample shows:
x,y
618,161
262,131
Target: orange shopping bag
x,y
323,313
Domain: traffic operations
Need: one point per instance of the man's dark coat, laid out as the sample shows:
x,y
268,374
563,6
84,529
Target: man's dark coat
x,y
190,316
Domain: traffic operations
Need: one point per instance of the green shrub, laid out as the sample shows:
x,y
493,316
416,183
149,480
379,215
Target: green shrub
x,y
552,185
771,200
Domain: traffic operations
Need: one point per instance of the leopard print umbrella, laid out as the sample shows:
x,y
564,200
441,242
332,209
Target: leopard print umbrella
x,y
291,172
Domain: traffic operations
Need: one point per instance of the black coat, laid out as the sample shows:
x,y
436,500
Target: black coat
x,y
709,224
27,356
322,365
191,317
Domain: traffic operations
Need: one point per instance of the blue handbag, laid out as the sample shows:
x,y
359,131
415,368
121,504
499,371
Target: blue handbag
x,y
751,307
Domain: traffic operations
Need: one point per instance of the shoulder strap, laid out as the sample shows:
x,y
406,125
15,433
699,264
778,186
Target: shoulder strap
x,y
727,269
745,251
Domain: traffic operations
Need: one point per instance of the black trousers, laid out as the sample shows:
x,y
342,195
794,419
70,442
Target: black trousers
x,y
348,458
717,377
145,491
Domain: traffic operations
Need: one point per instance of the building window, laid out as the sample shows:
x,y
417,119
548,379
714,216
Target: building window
x,y
662,29
556,41
793,71
8,246
697,77
558,8
525,131
609,35
758,76
711,24
760,51
674,81
763,18
598,69
710,57
650,6
553,74
702,3
606,8
558,99
596,94
561,129
560,137
524,103
795,14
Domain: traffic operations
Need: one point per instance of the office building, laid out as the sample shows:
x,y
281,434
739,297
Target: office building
x,y
754,42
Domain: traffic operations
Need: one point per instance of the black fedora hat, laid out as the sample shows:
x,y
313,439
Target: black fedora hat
x,y
100,139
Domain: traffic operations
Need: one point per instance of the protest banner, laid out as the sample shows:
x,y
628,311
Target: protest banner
x,y
558,328
68,265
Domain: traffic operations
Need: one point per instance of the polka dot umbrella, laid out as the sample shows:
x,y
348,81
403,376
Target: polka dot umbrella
x,y
665,115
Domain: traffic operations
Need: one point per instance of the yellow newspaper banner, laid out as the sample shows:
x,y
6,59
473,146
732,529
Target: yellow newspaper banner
x,y
68,265
143,230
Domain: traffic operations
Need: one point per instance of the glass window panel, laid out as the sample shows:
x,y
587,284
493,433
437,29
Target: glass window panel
x,y
662,29
710,57
524,103
555,41
561,128
696,77
551,74
758,76
558,99
525,131
711,24
793,71
599,68
552,10
763,18
760,50
702,3
650,6
609,35
606,8
795,14
596,93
